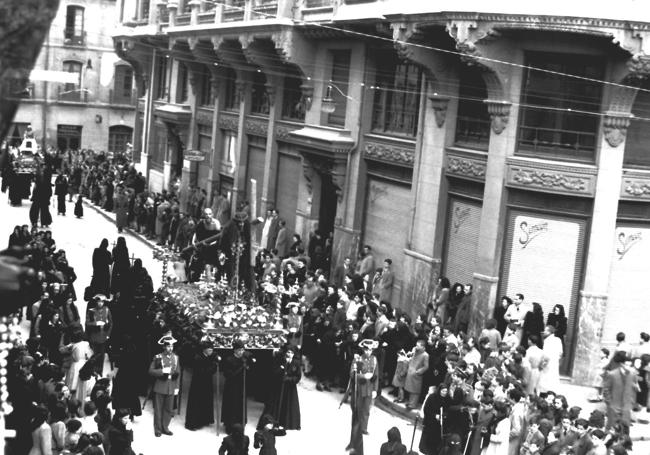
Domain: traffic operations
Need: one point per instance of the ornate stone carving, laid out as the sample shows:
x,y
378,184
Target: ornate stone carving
x,y
636,188
228,122
309,173
388,152
283,132
466,167
549,180
257,127
551,177
615,127
639,66
439,105
204,117
499,114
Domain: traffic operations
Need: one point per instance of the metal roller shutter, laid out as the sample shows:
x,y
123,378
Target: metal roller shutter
x,y
255,170
387,222
286,201
543,260
629,286
462,240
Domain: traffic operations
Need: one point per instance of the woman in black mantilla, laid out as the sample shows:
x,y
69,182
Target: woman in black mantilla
x,y
200,401
121,266
102,259
283,404
557,318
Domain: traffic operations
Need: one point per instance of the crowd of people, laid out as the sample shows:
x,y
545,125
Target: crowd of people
x,y
493,392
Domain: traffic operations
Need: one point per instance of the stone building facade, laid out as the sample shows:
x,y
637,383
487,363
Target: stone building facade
x,y
506,150
96,112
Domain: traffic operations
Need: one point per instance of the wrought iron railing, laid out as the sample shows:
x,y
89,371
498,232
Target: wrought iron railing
x,y
473,132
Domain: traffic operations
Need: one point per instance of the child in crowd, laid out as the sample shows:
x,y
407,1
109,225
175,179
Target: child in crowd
x,y
78,207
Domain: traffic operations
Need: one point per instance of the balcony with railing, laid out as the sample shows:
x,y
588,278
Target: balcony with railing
x,y
234,11
472,132
74,38
265,9
72,95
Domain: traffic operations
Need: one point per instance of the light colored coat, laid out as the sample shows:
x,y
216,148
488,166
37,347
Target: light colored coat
x,y
499,440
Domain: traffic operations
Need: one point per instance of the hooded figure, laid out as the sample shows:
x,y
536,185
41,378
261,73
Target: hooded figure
x,y
394,444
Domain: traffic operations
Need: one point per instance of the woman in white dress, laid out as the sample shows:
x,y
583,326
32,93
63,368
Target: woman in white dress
x,y
500,434
535,362
549,378
80,352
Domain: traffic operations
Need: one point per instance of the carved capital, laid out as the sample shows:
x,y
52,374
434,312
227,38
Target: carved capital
x,y
615,127
499,114
439,105
639,67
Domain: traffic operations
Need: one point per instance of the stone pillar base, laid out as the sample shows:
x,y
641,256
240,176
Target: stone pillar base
x,y
346,243
591,317
484,296
420,274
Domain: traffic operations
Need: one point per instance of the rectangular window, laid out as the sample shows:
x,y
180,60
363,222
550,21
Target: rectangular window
x,y
74,25
293,107
259,98
473,120
145,9
339,82
182,92
397,98
71,91
559,113
232,99
118,138
229,147
206,97
161,82
123,89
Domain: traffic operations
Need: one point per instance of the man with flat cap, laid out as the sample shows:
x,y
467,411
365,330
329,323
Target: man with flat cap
x,y
165,370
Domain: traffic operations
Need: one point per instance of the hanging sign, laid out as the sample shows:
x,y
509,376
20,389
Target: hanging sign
x,y
194,155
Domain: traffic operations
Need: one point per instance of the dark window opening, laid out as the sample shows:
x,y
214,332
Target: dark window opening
x,y
161,82
339,82
123,88
259,98
293,104
560,114
182,92
74,25
473,120
396,103
232,99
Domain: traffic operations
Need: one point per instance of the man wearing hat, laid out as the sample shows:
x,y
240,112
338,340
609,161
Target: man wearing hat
x,y
165,369
365,370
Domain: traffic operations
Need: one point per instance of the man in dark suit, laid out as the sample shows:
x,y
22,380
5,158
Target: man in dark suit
x,y
273,229
282,243
619,390
385,285
165,369
338,277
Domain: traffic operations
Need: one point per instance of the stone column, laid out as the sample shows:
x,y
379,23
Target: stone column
x,y
155,8
195,7
189,171
271,157
593,297
309,194
239,179
216,143
172,7
488,257
422,255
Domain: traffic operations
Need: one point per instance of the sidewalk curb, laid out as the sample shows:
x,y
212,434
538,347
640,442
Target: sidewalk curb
x,y
386,404
111,217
